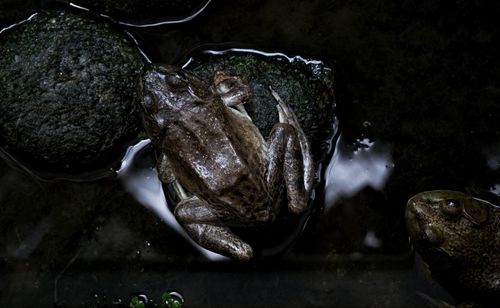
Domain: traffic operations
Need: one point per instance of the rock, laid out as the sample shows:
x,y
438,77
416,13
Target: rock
x,y
69,93
149,10
12,11
304,84
307,86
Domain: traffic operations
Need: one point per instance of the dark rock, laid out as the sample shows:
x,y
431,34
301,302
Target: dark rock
x,y
306,85
12,11
135,10
69,93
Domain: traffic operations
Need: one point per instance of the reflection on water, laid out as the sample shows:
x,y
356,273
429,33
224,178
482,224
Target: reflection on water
x,y
371,240
492,154
367,164
18,23
496,189
24,248
139,176
152,23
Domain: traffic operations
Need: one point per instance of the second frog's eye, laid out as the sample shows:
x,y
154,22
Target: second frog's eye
x,y
451,208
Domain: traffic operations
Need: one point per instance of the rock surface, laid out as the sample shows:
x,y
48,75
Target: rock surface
x,y
69,92
12,11
307,86
134,10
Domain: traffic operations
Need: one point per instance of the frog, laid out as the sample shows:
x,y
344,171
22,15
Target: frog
x,y
458,236
227,175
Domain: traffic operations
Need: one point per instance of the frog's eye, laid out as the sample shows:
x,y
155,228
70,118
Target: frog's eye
x,y
451,208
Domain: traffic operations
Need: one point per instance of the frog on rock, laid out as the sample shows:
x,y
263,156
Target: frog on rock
x,y
211,147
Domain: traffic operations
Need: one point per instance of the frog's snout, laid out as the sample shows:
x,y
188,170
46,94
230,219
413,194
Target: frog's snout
x,y
419,224
412,217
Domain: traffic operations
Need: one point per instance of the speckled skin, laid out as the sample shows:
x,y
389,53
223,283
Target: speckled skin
x,y
219,155
459,238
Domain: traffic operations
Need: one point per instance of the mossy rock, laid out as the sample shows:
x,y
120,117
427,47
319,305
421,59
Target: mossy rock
x,y
69,90
12,11
142,11
306,85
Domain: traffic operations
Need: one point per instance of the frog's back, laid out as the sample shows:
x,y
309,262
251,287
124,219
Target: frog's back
x,y
216,154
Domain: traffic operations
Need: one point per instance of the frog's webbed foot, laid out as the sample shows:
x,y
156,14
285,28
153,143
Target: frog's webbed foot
x,y
287,116
203,224
289,157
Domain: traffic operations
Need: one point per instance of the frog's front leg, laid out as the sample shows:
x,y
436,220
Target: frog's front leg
x,y
164,168
289,159
203,224
231,89
167,176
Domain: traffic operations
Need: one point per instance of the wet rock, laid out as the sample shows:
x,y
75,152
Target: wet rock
x,y
307,86
12,11
304,84
69,93
135,10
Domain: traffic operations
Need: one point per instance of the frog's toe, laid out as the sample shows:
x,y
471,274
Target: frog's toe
x,y
194,210
231,89
219,239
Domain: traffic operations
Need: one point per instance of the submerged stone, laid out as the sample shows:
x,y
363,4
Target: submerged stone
x,y
12,11
69,90
140,10
306,85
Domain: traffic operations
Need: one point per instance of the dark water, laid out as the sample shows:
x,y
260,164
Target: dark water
x,y
417,92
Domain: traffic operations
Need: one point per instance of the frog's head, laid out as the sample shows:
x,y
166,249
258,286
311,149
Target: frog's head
x,y
165,91
447,226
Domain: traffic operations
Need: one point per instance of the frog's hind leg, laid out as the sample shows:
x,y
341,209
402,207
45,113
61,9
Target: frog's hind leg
x,y
286,115
289,158
205,226
219,239
231,89
285,162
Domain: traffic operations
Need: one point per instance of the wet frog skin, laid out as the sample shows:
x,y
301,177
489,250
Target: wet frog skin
x,y
210,146
458,236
